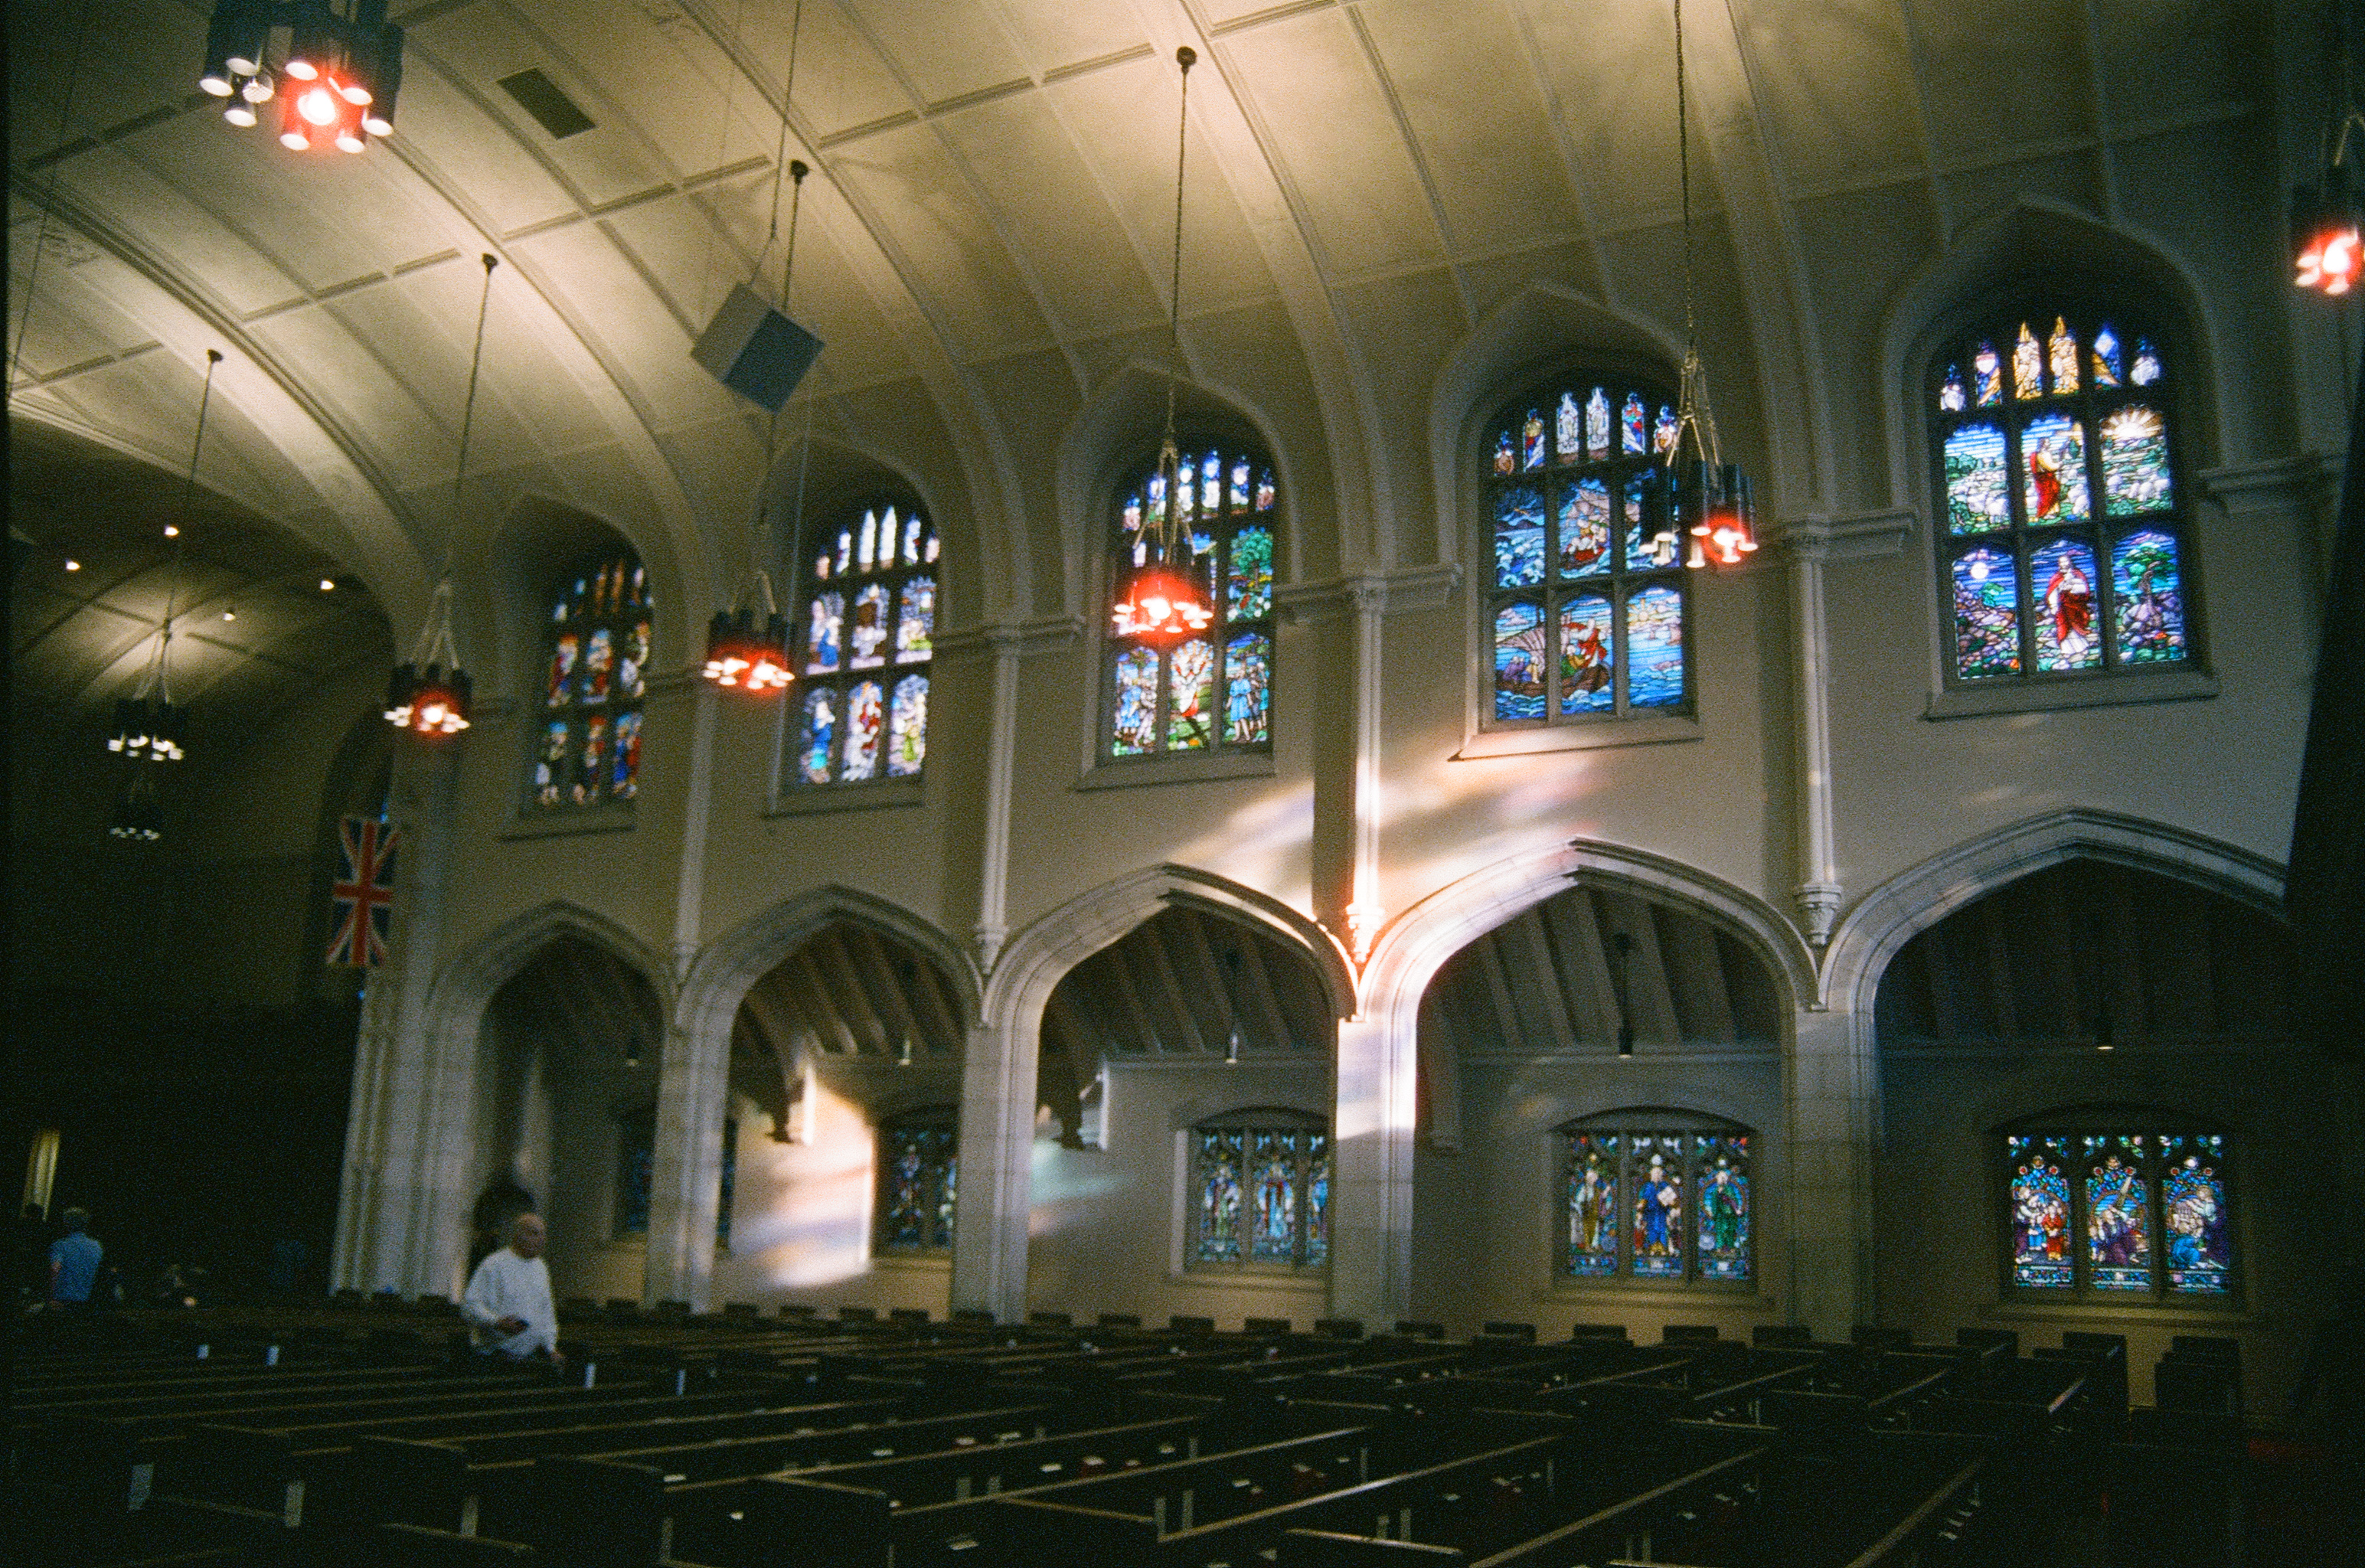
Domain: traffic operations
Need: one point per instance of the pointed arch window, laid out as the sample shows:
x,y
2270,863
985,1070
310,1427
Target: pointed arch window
x,y
1260,1191
2065,555
919,1182
1586,612
865,636
1657,1197
1212,692
595,675
2118,1210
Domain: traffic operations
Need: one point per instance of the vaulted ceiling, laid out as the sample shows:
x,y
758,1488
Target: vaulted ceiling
x,y
984,240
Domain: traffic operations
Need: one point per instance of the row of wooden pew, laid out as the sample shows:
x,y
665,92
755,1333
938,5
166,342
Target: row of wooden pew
x,y
732,1440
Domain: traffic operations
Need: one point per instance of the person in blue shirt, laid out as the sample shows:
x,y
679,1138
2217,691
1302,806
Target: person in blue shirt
x,y
73,1262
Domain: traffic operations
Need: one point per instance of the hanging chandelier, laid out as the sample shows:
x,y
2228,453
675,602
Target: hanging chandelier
x,y
2328,219
1159,595
1703,496
428,694
343,69
149,725
139,815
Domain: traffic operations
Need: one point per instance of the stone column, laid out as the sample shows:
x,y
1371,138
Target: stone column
x,y
997,1147
1818,892
694,1065
1372,1192
1827,1089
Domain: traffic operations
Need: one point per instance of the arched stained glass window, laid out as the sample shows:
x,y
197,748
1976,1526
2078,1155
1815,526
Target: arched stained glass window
x,y
1657,1196
2064,553
865,639
595,674
1211,692
1260,1190
636,1163
1586,609
2118,1211
919,1169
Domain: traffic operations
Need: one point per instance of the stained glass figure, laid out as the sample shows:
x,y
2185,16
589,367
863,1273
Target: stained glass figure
x,y
2027,365
2147,367
1248,698
2118,1215
915,543
1241,484
1987,614
562,666
1655,647
1666,430
598,663
826,627
1261,1185
1950,391
1136,729
2192,1204
1721,1165
591,775
1519,662
915,623
2052,448
1585,529
1987,375
1978,482
1658,1241
1153,489
1275,1202
1586,665
1186,493
2148,598
1218,1193
1317,1198
1191,696
867,634
1264,490
845,551
1632,422
2135,461
907,727
550,766
2039,1195
864,712
2105,361
1568,429
1592,1205
593,682
633,663
2061,352
624,781
1531,440
1518,537
1507,454
818,742
1249,585
2067,637
919,1162
1597,424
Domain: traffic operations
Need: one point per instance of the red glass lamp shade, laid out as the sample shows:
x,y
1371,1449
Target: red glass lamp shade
x,y
428,703
1714,506
740,658
2328,249
1158,603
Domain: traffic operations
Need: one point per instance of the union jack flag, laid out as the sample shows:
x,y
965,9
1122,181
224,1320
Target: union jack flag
x,y
364,892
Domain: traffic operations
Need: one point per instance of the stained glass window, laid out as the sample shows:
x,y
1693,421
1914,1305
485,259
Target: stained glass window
x,y
1260,1190
1657,1197
919,1169
868,604
1586,606
587,736
1211,692
2057,469
2115,1213
636,1163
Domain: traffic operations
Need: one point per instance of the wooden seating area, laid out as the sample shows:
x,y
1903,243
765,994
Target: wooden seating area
x,y
744,1439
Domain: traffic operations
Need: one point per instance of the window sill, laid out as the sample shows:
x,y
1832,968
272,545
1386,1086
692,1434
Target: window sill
x,y
2098,691
912,1264
2096,1311
1317,1281
1659,729
1125,775
599,819
814,799
1738,1294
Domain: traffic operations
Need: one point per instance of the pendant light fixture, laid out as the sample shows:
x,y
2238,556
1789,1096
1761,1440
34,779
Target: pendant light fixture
x,y
149,725
429,693
2329,215
1704,496
1160,594
344,69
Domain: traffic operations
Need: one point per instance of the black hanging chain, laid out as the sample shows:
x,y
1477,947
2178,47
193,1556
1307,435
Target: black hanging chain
x,y
468,412
181,528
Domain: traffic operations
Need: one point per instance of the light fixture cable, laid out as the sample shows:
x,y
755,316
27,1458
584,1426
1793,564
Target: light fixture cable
x,y
41,235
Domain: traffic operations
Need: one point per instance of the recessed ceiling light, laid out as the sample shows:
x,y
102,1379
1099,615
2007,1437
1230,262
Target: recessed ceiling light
x,y
73,565
328,585
171,532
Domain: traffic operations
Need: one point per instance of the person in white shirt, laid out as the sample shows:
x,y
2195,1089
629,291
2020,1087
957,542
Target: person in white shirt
x,y
508,1304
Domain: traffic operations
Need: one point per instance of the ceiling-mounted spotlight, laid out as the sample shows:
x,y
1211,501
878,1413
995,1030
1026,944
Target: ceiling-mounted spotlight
x,y
257,89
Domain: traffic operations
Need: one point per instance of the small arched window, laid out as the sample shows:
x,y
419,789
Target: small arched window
x,y
1212,692
1586,611
2065,555
866,641
919,1171
588,746
2118,1209
1260,1191
1657,1197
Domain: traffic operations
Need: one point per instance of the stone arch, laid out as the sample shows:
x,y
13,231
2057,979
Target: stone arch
x,y
821,472
720,980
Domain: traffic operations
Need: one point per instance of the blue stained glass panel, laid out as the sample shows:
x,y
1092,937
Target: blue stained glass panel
x,y
2106,365
2118,1215
1950,391
865,718
2067,637
1531,440
598,663
1633,421
2135,461
2053,452
2148,598
2192,1204
590,768
1220,1197
2148,368
818,740
1979,484
633,663
1248,594
824,631
2039,1198
1987,614
1317,1198
1519,662
1248,690
550,768
1191,697
1275,1201
1585,529
921,1188
625,771
1666,430
1506,454
907,727
1586,663
1987,375
1518,537
1658,1239
1592,1205
1654,648
1568,429
1241,485
562,666
1645,552
915,626
1720,1167
1136,729
1264,490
